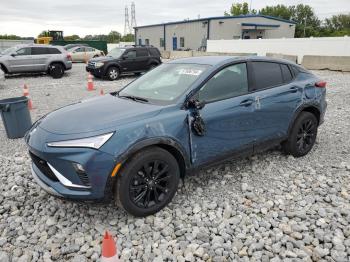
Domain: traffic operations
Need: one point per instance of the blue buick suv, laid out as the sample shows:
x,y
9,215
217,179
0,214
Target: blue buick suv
x,y
134,145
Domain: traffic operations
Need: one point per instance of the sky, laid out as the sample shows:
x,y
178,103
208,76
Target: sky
x,y
82,17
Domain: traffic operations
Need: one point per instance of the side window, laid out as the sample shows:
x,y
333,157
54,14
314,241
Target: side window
x,y
40,51
89,49
141,52
131,54
182,42
229,82
267,74
146,41
24,51
161,42
80,50
287,75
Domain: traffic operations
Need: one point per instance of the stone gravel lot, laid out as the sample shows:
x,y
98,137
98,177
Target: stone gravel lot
x,y
269,207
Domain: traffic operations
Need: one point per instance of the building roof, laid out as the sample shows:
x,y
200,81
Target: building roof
x,y
220,17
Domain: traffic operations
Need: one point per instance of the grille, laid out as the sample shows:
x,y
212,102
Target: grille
x,y
43,167
84,179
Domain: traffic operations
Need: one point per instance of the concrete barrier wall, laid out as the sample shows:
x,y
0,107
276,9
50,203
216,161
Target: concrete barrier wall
x,y
121,44
4,43
182,54
318,46
292,58
339,63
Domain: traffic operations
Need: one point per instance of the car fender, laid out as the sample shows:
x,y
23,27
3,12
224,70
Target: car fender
x,y
153,61
297,112
155,141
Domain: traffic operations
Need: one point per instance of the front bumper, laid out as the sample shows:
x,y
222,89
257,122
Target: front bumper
x,y
54,170
95,71
68,65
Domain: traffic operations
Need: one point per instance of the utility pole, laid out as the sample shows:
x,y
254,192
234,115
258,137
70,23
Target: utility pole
x,y
126,22
133,16
305,26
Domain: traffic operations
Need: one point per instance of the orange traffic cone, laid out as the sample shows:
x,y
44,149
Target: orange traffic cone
x,y
25,90
90,84
102,92
109,250
26,94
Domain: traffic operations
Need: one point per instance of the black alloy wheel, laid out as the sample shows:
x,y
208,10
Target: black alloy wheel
x,y
147,182
302,136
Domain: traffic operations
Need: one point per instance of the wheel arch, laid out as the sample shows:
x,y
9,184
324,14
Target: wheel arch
x,y
168,144
4,68
311,108
56,62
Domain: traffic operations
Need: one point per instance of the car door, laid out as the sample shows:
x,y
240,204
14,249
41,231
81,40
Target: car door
x,y
40,57
227,115
21,61
128,61
276,96
78,54
142,58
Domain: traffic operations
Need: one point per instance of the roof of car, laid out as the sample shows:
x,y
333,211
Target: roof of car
x,y
216,60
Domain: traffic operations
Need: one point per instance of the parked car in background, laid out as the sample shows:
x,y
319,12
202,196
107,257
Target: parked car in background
x,y
128,60
84,53
135,144
34,58
70,46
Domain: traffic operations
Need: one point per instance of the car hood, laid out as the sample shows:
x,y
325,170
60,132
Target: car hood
x,y
97,114
103,59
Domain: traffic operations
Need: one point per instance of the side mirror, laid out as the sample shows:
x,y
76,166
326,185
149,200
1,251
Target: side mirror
x,y
124,57
195,104
13,54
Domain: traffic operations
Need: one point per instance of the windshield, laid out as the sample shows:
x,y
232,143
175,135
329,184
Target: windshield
x,y
164,84
116,52
9,51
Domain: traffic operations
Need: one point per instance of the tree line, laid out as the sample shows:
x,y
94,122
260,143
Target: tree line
x,y
112,37
307,23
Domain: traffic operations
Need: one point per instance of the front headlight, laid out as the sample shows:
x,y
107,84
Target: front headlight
x,y
99,64
90,142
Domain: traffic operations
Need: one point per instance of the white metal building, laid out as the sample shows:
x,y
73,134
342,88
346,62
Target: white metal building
x,y
193,34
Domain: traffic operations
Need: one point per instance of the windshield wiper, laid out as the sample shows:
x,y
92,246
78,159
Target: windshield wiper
x,y
135,98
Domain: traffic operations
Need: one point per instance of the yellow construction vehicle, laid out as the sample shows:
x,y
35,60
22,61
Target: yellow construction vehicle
x,y
50,36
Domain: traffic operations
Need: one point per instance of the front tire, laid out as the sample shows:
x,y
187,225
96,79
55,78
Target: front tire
x,y
113,73
302,136
148,182
56,70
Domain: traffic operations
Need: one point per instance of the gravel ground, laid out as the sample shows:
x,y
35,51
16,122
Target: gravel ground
x,y
269,207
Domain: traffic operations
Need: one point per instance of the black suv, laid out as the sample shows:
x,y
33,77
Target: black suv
x,y
131,59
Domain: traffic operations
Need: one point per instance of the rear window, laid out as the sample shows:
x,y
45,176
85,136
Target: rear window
x,y
54,51
267,75
154,52
141,52
287,75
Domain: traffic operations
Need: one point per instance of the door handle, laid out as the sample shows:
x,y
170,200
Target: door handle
x,y
247,102
293,89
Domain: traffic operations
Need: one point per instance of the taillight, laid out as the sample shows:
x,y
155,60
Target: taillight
x,y
69,57
321,84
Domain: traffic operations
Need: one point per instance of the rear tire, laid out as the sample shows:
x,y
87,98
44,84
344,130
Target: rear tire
x,y
56,70
112,73
302,136
148,182
152,66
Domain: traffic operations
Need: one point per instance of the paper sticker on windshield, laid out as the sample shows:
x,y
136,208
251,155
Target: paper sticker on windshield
x,y
192,72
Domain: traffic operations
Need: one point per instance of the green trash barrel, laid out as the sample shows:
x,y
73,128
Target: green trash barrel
x,y
15,116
